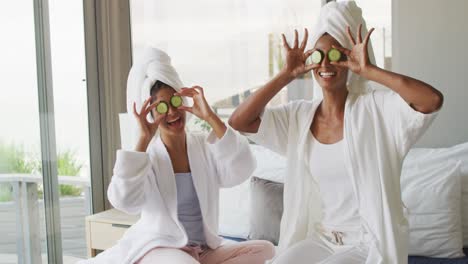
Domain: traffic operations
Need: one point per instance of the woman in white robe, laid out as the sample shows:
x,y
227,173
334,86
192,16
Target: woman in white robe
x,y
146,181
342,198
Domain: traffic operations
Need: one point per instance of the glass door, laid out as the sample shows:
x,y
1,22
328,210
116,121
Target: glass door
x,y
44,142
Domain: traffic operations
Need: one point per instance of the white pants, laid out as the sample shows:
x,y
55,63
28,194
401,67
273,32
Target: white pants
x,y
320,251
249,252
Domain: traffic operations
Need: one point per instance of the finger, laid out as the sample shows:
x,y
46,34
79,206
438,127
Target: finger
x,y
151,107
183,90
159,118
296,39
189,92
343,50
308,53
157,121
310,67
186,108
366,40
285,43
359,37
134,110
192,89
156,116
199,89
190,95
350,35
343,64
145,104
304,41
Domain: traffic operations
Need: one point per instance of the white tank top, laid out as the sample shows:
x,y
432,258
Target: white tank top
x,y
340,205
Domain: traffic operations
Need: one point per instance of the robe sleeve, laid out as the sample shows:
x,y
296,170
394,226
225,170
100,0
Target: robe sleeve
x,y
232,157
407,124
273,130
126,189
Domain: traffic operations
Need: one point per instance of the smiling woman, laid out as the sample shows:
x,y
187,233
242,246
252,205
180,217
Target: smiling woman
x,y
172,179
338,206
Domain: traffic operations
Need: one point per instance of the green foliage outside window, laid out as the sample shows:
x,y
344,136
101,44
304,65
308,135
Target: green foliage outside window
x,y
15,160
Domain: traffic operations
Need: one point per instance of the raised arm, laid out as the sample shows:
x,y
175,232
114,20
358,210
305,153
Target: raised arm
x,y
126,190
246,118
421,96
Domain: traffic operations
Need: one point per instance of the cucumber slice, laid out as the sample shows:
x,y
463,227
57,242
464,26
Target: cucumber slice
x,y
162,108
317,57
176,101
334,55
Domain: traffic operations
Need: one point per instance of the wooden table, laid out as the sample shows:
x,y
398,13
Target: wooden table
x,y
104,229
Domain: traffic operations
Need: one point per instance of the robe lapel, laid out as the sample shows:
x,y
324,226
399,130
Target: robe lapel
x,y
165,178
304,140
348,140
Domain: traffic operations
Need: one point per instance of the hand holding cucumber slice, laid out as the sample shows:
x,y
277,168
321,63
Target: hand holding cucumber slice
x,y
162,108
334,55
176,101
317,56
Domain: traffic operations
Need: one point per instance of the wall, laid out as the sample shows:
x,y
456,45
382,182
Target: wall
x,y
430,42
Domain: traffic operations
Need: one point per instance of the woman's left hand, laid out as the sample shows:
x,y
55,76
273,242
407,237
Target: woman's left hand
x,y
200,107
358,57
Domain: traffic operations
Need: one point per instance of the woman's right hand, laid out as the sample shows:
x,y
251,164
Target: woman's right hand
x,y
296,57
147,129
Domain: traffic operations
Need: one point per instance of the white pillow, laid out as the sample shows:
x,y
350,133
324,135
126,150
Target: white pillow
x,y
455,153
432,194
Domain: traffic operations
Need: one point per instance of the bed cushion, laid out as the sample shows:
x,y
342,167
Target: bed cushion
x,y
266,216
430,156
457,153
266,209
432,194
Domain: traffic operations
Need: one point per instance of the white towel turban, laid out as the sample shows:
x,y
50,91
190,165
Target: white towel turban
x,y
334,18
153,65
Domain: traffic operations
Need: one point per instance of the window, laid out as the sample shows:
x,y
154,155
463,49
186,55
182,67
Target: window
x,y
71,123
19,136
22,193
229,47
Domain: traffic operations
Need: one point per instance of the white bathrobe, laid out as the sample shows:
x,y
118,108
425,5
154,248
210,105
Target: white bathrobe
x,y
379,129
145,183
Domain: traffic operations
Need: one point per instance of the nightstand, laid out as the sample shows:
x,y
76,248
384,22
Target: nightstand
x,y
104,229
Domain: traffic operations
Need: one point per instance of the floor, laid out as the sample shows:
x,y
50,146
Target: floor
x,y
13,259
